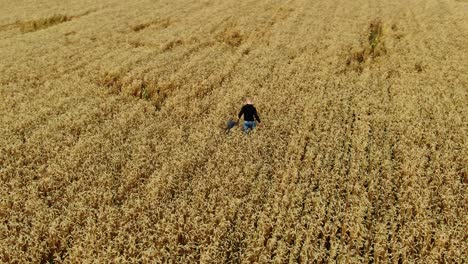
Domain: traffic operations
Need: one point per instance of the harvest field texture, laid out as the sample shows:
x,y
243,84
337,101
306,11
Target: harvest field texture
x,y
113,146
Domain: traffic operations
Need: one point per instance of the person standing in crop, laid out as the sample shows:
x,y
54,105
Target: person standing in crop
x,y
250,115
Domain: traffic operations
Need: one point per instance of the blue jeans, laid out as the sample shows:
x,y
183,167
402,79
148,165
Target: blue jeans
x,y
249,125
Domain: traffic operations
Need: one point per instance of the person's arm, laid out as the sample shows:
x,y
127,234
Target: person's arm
x,y
256,115
240,113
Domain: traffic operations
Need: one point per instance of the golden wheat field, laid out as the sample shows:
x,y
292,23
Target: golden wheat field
x,y
113,146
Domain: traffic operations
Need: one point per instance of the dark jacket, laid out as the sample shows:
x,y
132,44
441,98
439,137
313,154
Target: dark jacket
x,y
249,111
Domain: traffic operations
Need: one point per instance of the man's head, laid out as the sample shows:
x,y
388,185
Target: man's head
x,y
248,100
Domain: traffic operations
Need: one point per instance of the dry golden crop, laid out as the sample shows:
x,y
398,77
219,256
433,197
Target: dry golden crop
x,y
113,148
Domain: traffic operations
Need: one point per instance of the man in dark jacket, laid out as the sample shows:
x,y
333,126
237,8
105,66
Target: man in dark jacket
x,y
250,115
